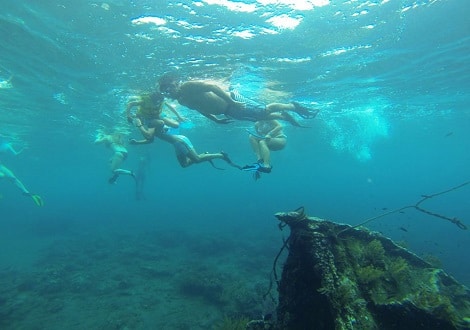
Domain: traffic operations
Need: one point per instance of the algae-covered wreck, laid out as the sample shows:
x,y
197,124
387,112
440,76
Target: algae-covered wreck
x,y
339,277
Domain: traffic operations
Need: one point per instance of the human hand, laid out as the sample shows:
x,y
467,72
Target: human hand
x,y
132,141
137,122
98,138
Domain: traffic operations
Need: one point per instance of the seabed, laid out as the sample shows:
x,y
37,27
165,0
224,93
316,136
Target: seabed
x,y
335,276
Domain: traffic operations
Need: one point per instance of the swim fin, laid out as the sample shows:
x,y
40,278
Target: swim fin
x,y
37,200
305,112
112,180
265,169
253,167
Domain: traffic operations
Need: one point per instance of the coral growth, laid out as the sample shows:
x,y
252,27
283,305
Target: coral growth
x,y
369,274
374,253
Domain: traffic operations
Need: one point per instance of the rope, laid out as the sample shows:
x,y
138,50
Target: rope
x,y
274,272
415,206
301,218
418,208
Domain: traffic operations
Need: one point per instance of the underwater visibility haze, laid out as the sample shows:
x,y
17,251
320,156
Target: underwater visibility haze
x,y
192,248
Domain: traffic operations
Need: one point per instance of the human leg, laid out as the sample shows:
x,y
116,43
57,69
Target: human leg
x,y
277,143
286,116
266,146
116,162
183,160
279,107
300,109
265,153
187,154
191,157
205,157
8,174
263,158
254,142
305,112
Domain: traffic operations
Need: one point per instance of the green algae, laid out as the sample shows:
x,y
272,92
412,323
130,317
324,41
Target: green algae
x,y
388,278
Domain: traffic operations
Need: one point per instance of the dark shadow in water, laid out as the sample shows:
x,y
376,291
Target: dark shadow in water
x,y
140,176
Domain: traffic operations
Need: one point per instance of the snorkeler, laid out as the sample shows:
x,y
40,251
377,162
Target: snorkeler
x,y
151,106
268,136
184,149
116,144
212,102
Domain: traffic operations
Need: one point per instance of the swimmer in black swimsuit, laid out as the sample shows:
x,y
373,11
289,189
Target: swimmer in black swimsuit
x,y
213,102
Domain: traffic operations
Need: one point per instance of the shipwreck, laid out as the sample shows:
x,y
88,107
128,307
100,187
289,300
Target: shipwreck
x,y
337,276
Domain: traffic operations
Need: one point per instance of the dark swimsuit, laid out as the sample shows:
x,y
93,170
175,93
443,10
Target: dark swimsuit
x,y
250,111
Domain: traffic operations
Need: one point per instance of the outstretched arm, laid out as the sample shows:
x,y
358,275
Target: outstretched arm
x,y
101,138
7,146
12,150
136,142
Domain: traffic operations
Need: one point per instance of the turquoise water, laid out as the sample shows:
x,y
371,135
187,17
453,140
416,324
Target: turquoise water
x,y
391,79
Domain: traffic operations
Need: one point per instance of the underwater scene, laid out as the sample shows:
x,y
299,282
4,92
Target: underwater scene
x,y
147,148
